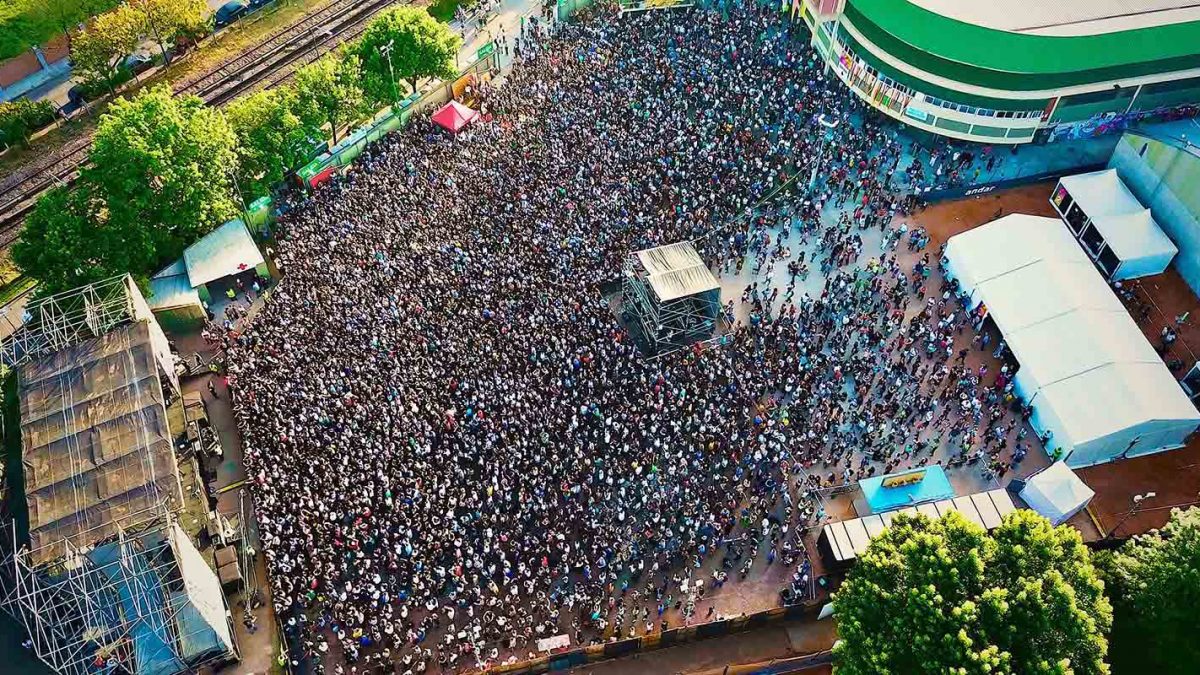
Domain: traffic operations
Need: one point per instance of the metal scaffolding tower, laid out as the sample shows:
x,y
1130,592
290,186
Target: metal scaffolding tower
x,y
670,299
129,605
63,319
101,576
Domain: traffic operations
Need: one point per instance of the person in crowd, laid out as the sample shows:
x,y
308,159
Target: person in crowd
x,y
454,447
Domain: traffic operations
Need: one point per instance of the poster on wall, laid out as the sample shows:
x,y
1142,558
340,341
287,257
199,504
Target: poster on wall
x,y
1059,195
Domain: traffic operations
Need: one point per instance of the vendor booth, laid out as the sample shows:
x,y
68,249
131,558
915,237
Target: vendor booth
x,y
1095,383
842,542
454,116
1115,230
1056,493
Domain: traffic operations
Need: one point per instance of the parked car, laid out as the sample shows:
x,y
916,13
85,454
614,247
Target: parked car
x,y
139,63
230,12
259,4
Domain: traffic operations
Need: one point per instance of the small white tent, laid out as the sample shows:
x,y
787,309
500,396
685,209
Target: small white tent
x,y
1057,493
1112,225
1091,376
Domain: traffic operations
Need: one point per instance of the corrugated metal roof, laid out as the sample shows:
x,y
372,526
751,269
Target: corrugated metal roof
x,y
676,270
848,539
172,288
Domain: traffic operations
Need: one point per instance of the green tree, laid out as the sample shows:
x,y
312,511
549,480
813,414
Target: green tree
x,y
272,138
67,15
945,597
98,52
1154,583
164,164
64,244
409,42
22,117
165,20
328,91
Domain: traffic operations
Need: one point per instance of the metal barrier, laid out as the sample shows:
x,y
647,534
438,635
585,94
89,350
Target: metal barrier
x,y
558,662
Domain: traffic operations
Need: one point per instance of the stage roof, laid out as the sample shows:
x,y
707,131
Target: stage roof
x,y
97,448
676,270
849,539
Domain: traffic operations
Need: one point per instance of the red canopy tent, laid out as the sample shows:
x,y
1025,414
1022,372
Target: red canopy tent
x,y
454,116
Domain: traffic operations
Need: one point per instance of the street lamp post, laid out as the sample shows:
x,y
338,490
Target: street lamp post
x,y
829,124
386,50
1137,504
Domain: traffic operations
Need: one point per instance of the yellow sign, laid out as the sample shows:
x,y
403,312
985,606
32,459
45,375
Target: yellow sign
x,y
904,479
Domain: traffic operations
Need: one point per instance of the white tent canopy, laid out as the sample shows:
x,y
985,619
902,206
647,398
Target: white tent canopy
x,y
1113,225
1093,379
1057,493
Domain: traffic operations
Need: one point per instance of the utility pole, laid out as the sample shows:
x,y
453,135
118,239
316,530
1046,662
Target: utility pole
x,y
1135,508
386,50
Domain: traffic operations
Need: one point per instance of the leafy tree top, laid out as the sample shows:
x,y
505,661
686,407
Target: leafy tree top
x,y
945,596
420,47
1154,583
165,163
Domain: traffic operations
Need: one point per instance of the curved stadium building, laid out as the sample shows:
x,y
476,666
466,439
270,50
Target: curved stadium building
x,y
1015,71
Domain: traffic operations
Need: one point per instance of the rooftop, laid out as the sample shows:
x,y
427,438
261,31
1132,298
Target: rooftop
x,y
1066,17
676,270
94,436
1032,45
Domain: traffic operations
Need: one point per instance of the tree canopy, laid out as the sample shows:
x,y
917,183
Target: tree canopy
x,y
165,20
160,177
165,163
328,91
22,117
272,138
420,47
945,596
98,51
1154,584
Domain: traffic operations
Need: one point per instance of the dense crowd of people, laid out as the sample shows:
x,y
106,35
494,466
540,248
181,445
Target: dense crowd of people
x,y
456,450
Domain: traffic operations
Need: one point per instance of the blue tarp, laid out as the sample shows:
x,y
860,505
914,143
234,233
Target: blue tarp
x,y
933,486
150,635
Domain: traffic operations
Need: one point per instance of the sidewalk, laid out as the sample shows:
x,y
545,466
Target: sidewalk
x,y
511,16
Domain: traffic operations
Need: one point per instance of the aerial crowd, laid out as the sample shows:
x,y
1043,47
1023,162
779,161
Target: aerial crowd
x,y
454,448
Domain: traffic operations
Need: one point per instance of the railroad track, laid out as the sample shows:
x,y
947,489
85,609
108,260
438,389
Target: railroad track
x,y
270,63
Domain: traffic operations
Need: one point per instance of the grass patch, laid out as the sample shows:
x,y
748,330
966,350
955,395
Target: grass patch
x,y
443,10
15,288
24,23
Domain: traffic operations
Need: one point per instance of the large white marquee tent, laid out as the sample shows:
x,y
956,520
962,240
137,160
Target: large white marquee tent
x,y
1092,377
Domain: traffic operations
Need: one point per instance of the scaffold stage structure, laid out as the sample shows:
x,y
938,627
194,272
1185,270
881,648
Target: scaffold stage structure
x,y
670,299
99,574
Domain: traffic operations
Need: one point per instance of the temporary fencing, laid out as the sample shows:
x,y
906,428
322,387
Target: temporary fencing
x,y
557,662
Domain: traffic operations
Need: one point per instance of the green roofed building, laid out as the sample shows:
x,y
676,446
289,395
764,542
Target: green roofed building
x,y
1016,71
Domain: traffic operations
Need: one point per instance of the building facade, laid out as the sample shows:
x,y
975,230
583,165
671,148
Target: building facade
x,y
1015,72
